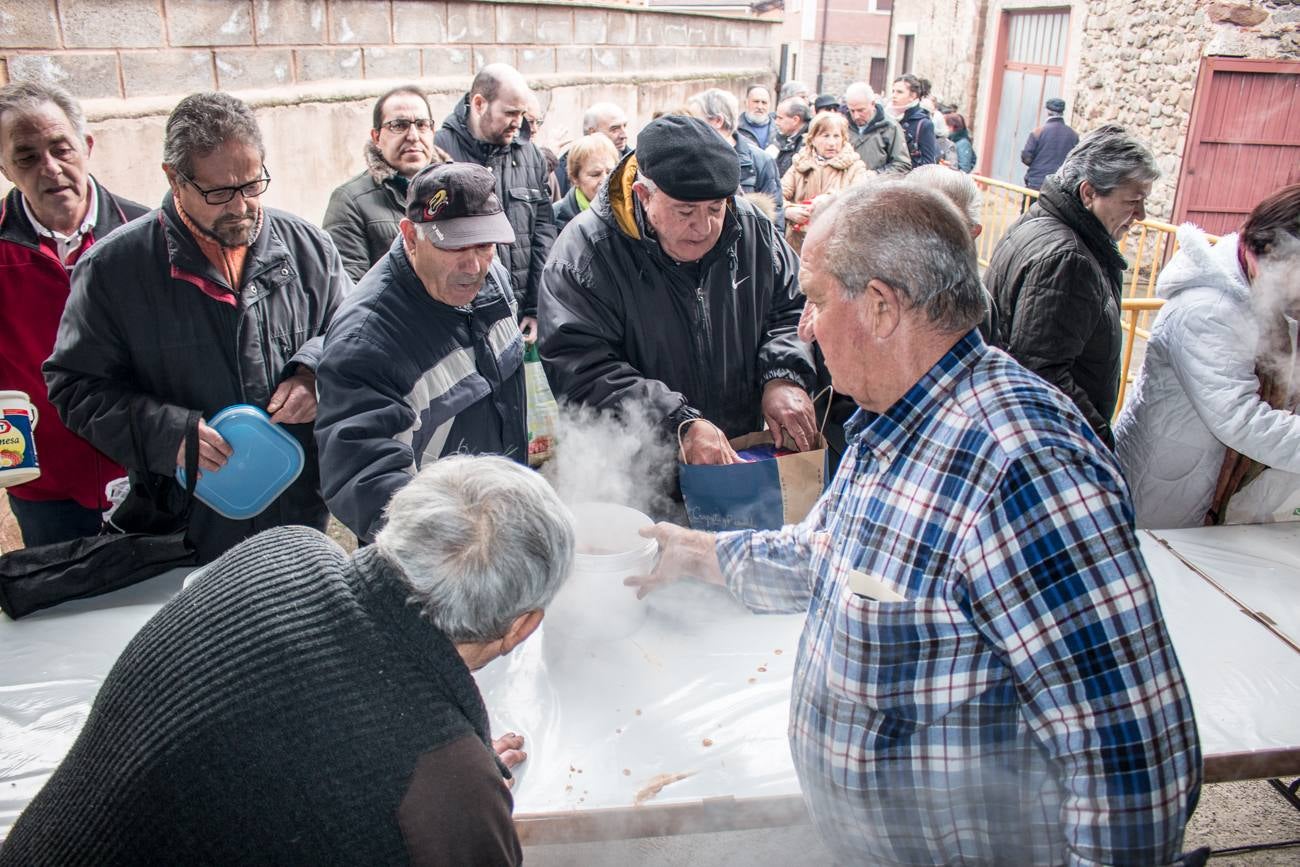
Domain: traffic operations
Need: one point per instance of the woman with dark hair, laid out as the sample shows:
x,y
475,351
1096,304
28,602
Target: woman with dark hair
x,y
1211,435
913,117
959,135
1057,274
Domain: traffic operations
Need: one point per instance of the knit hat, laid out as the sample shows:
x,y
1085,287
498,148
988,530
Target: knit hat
x,y
459,202
687,159
1056,104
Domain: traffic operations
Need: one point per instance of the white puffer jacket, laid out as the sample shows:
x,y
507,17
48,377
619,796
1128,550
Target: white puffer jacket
x,y
1197,394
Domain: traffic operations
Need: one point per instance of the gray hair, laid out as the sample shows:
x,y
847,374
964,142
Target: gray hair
x,y
1107,158
716,104
481,540
911,239
592,117
794,88
651,186
27,96
795,107
201,123
957,187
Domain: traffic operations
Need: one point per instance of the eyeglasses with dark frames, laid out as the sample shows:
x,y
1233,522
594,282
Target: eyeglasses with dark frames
x,y
222,195
399,125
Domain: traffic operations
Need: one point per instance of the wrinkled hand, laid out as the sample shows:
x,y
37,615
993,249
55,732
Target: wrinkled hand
x,y
214,451
704,443
294,400
510,749
683,553
528,326
788,407
798,214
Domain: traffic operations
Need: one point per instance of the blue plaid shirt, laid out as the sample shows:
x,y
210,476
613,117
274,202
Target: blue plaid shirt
x,y
1023,705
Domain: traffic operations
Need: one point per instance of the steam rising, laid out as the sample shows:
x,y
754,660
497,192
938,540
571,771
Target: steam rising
x,y
608,457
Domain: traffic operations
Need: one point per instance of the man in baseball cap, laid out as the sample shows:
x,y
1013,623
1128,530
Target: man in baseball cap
x,y
424,358
673,292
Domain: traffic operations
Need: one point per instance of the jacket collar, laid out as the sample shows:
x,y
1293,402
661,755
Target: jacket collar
x,y
1065,206
404,275
458,123
267,250
15,227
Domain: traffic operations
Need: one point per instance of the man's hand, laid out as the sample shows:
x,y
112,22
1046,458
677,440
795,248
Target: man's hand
x,y
788,408
294,400
510,749
704,443
214,451
683,553
528,325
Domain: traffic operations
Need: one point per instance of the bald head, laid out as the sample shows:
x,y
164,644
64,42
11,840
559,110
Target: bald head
x,y
499,99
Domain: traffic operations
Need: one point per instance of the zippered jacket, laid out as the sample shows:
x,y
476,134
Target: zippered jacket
x,y
622,322
152,331
525,194
406,379
34,287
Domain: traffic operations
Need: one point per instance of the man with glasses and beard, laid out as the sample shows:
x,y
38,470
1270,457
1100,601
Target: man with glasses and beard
x,y
363,213
208,301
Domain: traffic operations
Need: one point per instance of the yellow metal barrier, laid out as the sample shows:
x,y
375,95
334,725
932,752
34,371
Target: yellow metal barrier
x,y
1132,309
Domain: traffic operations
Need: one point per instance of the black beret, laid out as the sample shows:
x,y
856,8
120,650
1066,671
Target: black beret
x,y
687,159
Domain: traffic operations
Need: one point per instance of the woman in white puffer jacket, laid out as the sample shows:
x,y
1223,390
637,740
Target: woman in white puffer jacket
x,y
1198,394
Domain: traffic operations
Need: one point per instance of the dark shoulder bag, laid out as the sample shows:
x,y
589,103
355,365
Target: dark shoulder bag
x,y
157,511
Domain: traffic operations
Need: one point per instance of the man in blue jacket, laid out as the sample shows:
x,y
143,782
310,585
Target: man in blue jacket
x,y
425,358
1048,145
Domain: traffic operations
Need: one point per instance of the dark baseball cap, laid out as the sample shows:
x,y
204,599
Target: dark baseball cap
x,y
459,203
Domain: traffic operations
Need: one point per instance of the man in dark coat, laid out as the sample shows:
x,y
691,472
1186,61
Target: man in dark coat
x,y
791,119
425,358
50,218
363,213
1057,274
1047,145
876,136
297,705
210,300
673,293
484,129
758,174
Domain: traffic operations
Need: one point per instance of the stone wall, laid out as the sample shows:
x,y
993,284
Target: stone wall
x,y
1141,65
946,47
311,69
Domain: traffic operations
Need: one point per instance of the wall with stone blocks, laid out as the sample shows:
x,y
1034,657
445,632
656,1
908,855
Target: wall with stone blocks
x,y
312,68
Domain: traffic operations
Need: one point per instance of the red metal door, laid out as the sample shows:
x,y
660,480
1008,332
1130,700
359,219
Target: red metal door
x,y
1243,142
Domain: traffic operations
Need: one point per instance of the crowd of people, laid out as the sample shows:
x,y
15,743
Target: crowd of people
x,y
976,598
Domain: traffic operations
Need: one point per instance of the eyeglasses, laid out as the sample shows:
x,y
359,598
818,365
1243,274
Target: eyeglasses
x,y
221,195
400,125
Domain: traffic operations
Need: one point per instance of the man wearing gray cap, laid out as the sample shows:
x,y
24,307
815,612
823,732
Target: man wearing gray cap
x,y
673,293
1048,145
425,358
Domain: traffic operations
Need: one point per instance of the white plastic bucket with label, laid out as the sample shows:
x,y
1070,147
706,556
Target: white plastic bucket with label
x,y
18,463
594,604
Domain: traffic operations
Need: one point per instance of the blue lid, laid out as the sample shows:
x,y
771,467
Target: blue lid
x,y
265,460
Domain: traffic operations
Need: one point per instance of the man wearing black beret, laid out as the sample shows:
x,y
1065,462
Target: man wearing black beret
x,y
674,293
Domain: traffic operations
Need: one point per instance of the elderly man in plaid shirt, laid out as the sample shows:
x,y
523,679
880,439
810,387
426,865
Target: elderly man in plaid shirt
x,y
984,676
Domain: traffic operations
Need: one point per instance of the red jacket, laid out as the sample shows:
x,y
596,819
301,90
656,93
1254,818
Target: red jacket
x,y
34,288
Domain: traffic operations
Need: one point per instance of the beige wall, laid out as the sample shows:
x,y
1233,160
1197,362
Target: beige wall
x,y
312,68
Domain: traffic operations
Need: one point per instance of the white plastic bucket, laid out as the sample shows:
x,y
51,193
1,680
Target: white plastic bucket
x,y
18,418
594,604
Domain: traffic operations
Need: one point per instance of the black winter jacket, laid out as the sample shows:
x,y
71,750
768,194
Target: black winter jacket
x,y
525,194
922,146
1046,149
141,343
1056,278
621,321
758,175
363,213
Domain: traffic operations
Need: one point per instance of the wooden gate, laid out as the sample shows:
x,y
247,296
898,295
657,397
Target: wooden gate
x,y
1243,142
1031,59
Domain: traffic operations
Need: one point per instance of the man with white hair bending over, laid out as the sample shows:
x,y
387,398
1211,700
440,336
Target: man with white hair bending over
x,y
297,705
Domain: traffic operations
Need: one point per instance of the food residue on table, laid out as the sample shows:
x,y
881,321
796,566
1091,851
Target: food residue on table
x,y
657,784
762,668
638,711
627,772
753,680
778,651
708,742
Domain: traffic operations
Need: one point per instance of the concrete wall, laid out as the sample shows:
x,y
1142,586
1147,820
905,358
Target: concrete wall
x,y
312,68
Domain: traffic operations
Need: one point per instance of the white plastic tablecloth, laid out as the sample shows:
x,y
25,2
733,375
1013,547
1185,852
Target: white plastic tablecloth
x,y
696,700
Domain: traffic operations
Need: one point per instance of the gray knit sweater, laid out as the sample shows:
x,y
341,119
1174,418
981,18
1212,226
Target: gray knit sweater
x,y
291,707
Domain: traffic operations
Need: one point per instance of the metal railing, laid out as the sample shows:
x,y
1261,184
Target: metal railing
x,y
1147,248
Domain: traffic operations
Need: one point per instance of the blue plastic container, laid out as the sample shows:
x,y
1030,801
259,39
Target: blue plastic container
x,y
265,461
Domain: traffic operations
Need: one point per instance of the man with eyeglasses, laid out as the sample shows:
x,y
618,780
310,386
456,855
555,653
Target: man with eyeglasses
x,y
484,128
208,301
363,213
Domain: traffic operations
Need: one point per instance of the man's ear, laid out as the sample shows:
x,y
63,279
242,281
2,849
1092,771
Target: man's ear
x,y
884,306
374,136
173,180
477,103
523,626
1087,192
90,144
